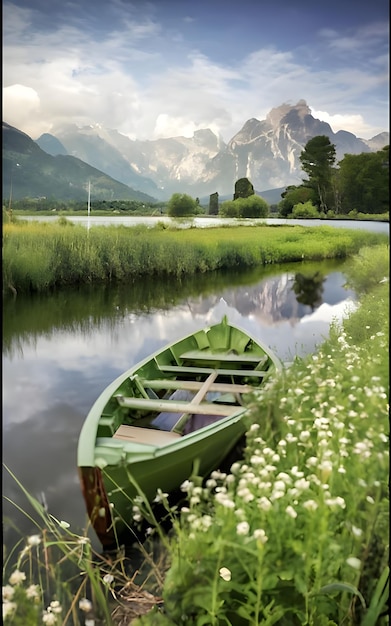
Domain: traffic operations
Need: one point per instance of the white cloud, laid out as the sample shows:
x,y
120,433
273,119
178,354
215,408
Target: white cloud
x,y
132,78
353,123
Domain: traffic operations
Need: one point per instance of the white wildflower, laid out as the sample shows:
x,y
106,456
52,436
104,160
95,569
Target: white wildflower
x,y
354,562
108,579
17,577
8,592
302,484
55,607
310,505
243,528
64,524
225,573
264,504
160,496
257,460
279,485
225,501
186,486
235,468
33,592
49,618
291,511
260,535
284,477
34,540
8,608
338,501
85,605
206,522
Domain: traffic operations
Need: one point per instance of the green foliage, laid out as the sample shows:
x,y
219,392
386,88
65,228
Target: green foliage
x,y
368,268
229,208
295,195
251,207
51,206
181,205
363,182
243,188
317,160
305,210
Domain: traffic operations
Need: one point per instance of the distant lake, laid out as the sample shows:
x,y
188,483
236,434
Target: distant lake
x,y
207,222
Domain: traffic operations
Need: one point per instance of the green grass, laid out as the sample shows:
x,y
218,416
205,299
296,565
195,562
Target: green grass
x,y
42,256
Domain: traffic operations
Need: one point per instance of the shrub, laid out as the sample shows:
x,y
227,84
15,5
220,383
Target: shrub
x,y
305,210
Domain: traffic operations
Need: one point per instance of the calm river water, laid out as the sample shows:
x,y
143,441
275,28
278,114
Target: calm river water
x,y
60,351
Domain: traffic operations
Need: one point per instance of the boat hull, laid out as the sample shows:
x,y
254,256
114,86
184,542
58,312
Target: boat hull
x,y
119,460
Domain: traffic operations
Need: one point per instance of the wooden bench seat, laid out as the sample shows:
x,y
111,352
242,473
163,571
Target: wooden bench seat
x,y
193,385
175,406
187,369
204,355
148,436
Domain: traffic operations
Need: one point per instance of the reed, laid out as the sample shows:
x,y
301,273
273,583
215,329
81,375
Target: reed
x,y
42,256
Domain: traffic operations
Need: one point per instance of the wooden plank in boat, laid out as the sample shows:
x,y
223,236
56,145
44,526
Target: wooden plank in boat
x,y
176,406
201,355
149,436
184,369
193,385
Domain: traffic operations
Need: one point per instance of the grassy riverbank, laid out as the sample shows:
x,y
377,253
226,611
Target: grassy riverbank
x,y
297,533
39,256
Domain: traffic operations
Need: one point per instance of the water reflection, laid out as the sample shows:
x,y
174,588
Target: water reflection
x,y
60,351
309,288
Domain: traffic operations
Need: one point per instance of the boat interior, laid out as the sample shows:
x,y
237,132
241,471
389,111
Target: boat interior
x,y
185,387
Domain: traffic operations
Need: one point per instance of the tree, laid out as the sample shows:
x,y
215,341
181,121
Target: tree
x,y
180,205
295,195
317,161
214,203
229,208
243,188
305,210
364,182
253,206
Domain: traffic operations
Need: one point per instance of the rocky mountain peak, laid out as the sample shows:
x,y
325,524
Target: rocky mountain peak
x,y
276,116
267,152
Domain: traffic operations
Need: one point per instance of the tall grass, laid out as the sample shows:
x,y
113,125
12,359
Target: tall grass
x,y
38,257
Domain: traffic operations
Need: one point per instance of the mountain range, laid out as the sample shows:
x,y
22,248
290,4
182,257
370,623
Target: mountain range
x,y
265,151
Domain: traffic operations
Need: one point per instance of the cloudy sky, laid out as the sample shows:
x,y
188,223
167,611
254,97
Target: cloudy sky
x,y
169,67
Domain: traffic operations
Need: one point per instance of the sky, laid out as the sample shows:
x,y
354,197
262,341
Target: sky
x,y
170,67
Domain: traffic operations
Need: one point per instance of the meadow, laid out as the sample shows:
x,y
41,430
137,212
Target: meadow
x,y
38,257
295,533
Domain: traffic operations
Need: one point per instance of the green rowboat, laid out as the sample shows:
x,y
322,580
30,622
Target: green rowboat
x,y
182,407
